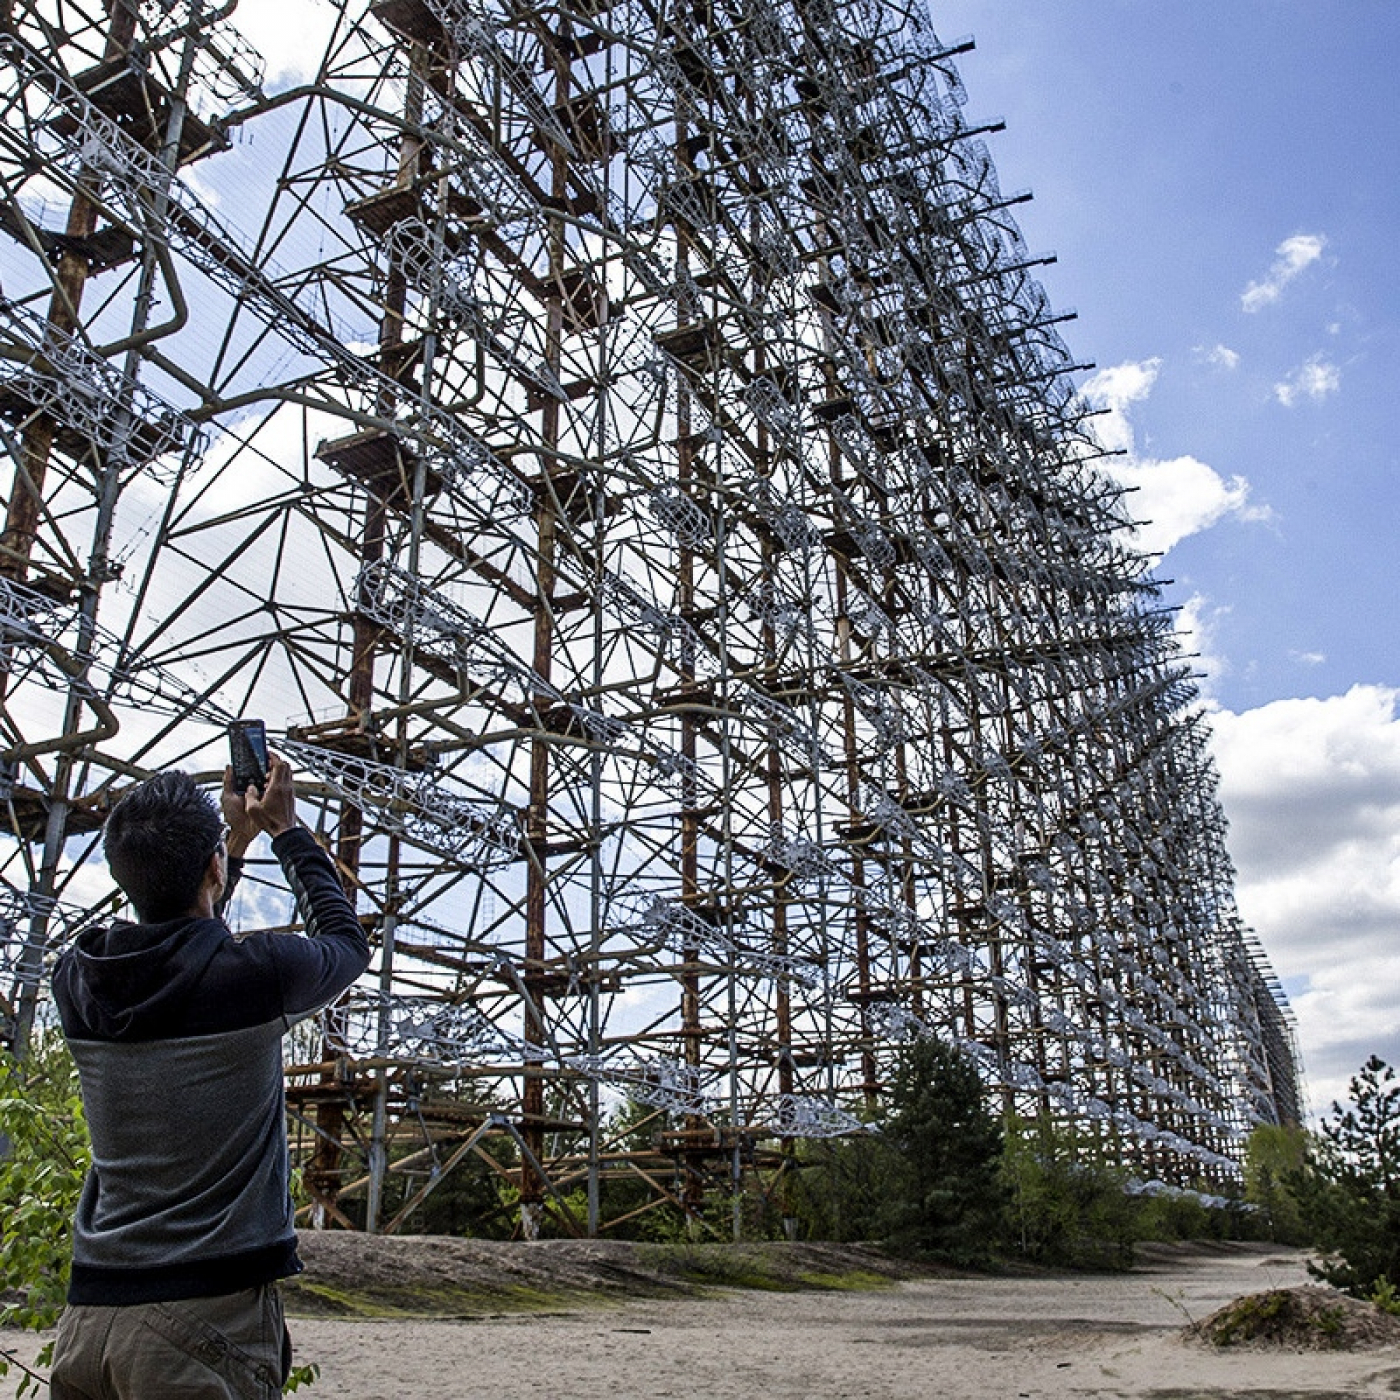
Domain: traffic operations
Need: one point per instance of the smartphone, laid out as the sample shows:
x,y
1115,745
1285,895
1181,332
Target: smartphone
x,y
247,744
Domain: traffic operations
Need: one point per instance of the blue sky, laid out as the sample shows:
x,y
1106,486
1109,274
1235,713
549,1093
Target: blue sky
x,y
1221,182
1172,149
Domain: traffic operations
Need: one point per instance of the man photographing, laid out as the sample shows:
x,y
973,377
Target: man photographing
x,y
185,1220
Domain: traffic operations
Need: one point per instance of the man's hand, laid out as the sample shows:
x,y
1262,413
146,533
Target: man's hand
x,y
276,810
242,828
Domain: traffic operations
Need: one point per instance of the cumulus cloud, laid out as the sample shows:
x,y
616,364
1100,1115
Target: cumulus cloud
x,y
1315,380
1181,497
1311,788
1221,356
1290,258
1175,497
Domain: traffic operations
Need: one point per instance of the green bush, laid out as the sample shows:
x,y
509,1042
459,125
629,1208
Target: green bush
x,y
471,1200
1174,1216
846,1188
41,1177
1067,1208
1273,1158
44,1155
927,1181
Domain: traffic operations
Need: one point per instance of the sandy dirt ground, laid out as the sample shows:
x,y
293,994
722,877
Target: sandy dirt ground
x,y
963,1339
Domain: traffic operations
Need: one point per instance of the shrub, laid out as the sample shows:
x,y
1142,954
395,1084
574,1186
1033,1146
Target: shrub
x,y
1067,1208
847,1188
1273,1158
44,1155
927,1181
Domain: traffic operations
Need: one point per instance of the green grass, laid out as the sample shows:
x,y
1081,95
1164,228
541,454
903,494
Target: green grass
x,y
652,1270
312,1298
852,1281
768,1269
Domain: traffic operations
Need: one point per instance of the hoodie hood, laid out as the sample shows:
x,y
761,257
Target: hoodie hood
x,y
123,979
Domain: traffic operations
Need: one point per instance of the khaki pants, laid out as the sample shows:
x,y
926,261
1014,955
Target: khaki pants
x,y
233,1347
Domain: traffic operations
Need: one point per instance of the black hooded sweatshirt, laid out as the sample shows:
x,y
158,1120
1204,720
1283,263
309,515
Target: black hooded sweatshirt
x,y
176,1028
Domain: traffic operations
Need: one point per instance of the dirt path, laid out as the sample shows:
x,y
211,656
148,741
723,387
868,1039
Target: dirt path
x,y
959,1339
956,1339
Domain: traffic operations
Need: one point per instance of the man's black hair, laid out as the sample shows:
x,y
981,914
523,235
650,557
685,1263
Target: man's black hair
x,y
158,840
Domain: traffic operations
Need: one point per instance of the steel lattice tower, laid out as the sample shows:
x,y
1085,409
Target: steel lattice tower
x,y
621,448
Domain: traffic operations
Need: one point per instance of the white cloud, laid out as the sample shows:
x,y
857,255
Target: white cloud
x,y
1196,624
1181,497
1308,658
1174,497
1221,356
204,190
1314,380
1126,383
1114,389
1291,257
291,37
1312,791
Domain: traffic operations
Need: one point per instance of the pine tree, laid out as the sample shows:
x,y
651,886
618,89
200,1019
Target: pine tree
x,y
1349,1188
951,1200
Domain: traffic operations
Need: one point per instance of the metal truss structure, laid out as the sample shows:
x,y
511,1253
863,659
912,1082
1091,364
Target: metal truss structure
x,y
621,448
